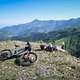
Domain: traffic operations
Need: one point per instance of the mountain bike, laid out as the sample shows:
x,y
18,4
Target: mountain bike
x,y
22,56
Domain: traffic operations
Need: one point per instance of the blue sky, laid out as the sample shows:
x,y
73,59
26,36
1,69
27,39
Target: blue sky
x,y
22,11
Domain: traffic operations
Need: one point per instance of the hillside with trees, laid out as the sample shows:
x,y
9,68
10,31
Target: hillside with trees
x,y
69,35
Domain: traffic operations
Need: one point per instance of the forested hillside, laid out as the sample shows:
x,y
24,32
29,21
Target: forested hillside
x,y
4,36
51,36
71,37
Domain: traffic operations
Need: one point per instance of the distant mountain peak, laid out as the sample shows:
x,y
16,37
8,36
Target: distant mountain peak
x,y
35,20
40,26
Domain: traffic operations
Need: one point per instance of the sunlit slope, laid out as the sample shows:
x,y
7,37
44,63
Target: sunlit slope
x,y
49,66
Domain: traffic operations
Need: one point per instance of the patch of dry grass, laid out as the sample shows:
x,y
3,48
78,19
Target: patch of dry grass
x,y
49,66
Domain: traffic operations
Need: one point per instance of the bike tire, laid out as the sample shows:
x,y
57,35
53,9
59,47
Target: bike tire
x,y
27,63
4,54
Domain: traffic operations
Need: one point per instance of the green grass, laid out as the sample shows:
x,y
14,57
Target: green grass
x,y
49,65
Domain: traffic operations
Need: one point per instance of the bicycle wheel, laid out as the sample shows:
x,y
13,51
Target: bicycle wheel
x,y
5,54
31,59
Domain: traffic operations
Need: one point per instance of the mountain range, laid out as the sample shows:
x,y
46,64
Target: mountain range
x,y
37,26
47,31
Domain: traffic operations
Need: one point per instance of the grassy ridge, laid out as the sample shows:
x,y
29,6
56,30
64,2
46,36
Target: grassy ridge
x,y
50,65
